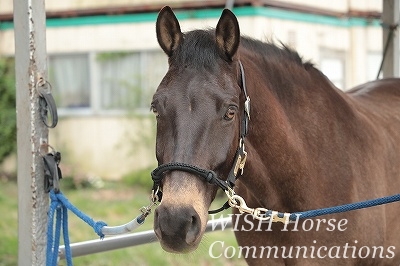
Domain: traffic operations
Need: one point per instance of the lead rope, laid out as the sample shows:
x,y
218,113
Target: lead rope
x,y
263,214
60,205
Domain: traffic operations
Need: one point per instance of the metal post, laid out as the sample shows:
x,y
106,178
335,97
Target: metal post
x,y
390,18
229,4
30,64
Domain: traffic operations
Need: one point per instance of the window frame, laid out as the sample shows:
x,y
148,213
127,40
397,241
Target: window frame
x,y
334,54
95,107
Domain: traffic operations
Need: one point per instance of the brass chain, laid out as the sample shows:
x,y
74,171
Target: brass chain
x,y
261,214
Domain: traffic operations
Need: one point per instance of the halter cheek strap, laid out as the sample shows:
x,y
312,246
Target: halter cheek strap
x,y
241,154
210,176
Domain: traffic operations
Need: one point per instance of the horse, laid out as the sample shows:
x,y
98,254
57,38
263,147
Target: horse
x,y
305,145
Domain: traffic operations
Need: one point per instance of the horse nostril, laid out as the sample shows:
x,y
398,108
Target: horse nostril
x,y
193,229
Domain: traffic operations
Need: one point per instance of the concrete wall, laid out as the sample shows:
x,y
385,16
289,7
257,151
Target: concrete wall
x,y
107,147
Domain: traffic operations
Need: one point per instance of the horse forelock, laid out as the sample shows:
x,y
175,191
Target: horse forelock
x,y
198,50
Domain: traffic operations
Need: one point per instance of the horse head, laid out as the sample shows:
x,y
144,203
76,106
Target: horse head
x,y
197,106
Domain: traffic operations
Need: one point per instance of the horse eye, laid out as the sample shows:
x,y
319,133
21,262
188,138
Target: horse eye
x,y
230,113
154,110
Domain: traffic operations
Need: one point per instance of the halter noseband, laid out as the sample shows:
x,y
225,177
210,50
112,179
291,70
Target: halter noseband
x,y
210,176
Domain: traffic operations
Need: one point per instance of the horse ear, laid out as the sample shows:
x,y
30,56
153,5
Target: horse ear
x,y
227,35
169,33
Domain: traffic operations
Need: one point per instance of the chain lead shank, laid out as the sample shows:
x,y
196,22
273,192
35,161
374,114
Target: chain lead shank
x,y
261,214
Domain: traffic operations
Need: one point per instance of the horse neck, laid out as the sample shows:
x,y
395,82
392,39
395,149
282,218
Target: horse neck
x,y
287,134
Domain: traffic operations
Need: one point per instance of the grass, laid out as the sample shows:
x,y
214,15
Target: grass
x,y
115,203
8,224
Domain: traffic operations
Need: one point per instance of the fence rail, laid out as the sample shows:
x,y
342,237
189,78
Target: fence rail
x,y
130,240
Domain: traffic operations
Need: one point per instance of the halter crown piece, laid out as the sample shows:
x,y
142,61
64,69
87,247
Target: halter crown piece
x,y
210,176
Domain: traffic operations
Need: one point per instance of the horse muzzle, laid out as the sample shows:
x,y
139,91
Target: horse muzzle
x,y
178,228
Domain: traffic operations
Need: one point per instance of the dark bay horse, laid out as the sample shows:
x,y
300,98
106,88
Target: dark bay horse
x,y
309,146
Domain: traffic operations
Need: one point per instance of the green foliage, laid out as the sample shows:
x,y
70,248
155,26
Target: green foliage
x,y
105,56
82,182
8,224
8,129
140,178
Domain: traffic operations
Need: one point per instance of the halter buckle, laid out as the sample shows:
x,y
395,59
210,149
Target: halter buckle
x,y
243,162
241,159
240,163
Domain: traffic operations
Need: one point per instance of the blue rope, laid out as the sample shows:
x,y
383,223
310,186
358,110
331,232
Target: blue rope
x,y
340,208
60,205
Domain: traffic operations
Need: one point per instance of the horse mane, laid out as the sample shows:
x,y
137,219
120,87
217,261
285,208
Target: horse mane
x,y
199,50
273,51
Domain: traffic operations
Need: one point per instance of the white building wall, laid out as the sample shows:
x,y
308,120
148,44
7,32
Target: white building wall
x,y
336,5
6,6
102,145
356,42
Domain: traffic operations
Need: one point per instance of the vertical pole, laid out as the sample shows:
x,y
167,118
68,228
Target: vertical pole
x,y
390,17
229,4
30,64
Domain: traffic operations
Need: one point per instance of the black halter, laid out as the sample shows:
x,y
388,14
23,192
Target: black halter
x,y
210,176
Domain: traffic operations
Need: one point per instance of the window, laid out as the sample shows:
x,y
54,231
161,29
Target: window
x,y
128,80
332,64
69,75
106,82
374,61
119,80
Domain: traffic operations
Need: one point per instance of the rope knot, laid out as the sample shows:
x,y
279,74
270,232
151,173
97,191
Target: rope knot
x,y
210,177
98,226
